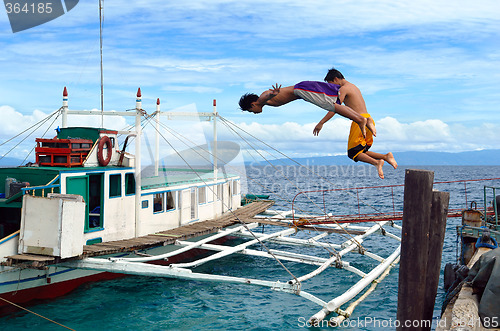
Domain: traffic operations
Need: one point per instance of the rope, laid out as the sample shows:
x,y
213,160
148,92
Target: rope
x,y
170,130
32,312
55,119
230,210
294,161
348,234
309,170
326,248
40,123
29,128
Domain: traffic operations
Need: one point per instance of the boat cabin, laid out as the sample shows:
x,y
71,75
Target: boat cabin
x,y
82,190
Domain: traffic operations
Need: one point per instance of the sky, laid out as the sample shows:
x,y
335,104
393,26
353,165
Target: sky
x,y
429,70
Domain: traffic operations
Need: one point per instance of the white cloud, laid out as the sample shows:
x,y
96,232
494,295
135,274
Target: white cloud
x,y
431,135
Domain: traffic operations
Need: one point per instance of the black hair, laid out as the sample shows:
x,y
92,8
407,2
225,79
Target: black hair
x,y
332,74
246,100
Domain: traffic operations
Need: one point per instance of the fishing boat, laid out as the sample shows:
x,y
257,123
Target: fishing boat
x,y
84,190
87,210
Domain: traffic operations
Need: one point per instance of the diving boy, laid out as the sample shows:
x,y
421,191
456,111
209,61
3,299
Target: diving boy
x,y
359,143
321,94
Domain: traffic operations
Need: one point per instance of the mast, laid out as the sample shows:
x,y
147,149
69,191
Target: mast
x,y
138,130
157,136
102,76
215,141
65,108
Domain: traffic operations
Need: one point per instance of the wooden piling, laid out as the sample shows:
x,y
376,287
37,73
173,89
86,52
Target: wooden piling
x,y
437,229
414,247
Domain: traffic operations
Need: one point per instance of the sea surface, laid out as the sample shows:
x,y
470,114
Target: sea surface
x,y
143,303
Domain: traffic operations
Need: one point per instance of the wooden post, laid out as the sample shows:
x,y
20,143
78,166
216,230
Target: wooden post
x,y
437,229
414,247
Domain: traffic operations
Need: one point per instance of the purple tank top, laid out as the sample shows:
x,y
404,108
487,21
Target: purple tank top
x,y
331,90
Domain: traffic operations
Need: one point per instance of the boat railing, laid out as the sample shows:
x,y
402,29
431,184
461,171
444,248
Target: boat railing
x,y
40,190
370,209
51,187
495,202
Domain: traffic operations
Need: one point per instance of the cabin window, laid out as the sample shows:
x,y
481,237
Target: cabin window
x,y
60,159
210,197
129,184
194,205
235,187
115,185
158,202
112,139
219,191
202,195
171,200
145,203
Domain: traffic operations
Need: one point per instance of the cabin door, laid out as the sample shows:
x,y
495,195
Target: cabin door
x,y
79,185
90,187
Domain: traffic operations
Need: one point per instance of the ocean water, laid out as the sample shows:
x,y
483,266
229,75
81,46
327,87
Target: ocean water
x,y
143,303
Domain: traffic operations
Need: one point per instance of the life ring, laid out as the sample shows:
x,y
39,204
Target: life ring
x,y
100,147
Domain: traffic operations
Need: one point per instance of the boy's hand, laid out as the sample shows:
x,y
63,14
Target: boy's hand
x,y
317,129
275,90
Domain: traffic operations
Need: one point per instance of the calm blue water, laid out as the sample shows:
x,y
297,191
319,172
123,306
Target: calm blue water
x,y
142,303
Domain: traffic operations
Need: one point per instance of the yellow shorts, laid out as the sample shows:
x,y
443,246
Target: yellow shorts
x,y
357,144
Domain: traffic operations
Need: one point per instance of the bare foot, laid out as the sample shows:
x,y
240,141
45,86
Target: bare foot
x,y
391,160
362,126
370,124
379,165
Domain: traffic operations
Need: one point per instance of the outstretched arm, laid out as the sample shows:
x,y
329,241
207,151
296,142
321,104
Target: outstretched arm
x,y
325,119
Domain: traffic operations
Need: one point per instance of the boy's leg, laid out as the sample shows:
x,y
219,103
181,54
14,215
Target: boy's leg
x,y
352,115
386,157
378,163
370,124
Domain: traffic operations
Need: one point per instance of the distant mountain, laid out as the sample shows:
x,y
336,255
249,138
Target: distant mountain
x,y
11,162
484,157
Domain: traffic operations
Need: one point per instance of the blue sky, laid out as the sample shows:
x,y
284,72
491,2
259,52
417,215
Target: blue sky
x,y
429,70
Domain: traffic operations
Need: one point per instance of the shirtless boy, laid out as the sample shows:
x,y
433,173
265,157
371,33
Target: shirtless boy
x,y
323,95
358,142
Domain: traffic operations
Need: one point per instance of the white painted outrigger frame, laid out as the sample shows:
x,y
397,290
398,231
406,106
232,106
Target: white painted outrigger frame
x,y
137,265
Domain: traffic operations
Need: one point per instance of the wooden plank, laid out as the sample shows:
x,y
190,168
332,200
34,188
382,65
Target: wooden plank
x,y
170,236
30,257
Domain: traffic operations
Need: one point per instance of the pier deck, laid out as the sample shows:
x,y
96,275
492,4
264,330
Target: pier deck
x,y
163,238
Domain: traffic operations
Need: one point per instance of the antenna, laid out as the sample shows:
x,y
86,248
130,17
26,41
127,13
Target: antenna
x,y
102,79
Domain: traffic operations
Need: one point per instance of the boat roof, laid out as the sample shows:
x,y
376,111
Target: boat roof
x,y
168,177
177,176
82,133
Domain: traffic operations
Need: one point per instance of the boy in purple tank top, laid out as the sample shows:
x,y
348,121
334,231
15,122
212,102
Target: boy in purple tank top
x,y
321,94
